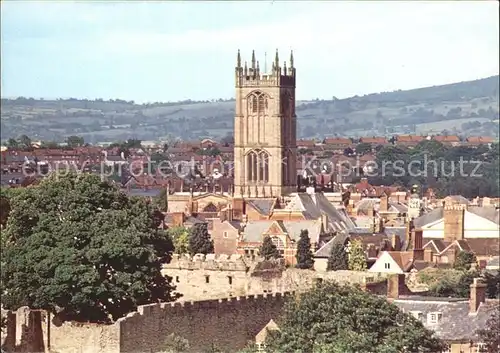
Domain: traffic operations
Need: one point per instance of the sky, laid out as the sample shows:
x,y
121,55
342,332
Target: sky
x,y
170,51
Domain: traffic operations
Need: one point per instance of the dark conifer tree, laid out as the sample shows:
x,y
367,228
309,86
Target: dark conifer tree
x,y
304,254
199,240
338,259
268,250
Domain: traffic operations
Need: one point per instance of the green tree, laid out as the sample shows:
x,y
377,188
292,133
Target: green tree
x,y
24,141
304,254
12,143
268,250
490,335
455,284
180,239
357,259
199,240
363,148
338,259
492,284
464,260
75,141
162,200
344,319
83,250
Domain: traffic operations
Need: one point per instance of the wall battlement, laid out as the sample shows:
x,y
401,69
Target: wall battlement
x,y
223,304
210,262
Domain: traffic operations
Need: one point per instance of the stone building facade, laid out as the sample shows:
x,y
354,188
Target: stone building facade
x,y
265,131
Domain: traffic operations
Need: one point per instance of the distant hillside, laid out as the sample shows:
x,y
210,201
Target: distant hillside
x,y
466,108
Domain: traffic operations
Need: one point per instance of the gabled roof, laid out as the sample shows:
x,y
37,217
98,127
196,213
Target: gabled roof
x,y
437,244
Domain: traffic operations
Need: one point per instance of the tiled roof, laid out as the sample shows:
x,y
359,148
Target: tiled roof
x,y
442,138
480,140
456,324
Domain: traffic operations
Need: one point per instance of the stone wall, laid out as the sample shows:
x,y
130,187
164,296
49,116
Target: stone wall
x,y
33,331
228,323
218,277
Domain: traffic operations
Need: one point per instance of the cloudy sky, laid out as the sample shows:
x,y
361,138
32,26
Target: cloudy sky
x,y
168,51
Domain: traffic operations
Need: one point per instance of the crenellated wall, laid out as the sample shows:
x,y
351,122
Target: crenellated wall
x,y
227,323
210,277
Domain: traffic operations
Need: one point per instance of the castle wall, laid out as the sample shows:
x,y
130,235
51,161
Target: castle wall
x,y
32,331
230,277
227,323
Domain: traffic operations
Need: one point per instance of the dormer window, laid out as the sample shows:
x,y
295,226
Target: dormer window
x,y
434,318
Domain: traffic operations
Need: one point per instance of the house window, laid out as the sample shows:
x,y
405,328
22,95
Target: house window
x,y
225,235
433,318
230,279
207,279
387,266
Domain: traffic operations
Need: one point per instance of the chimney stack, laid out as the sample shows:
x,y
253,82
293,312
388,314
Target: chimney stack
x,y
453,222
396,286
384,203
477,295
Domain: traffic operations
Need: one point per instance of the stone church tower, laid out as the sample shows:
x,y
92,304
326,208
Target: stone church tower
x,y
265,130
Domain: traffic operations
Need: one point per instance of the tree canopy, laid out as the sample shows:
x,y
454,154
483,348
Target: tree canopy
x,y
304,254
81,249
357,259
464,260
199,240
338,258
268,250
344,319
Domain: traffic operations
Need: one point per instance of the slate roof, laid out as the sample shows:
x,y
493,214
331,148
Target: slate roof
x,y
457,198
456,324
143,193
325,250
427,218
263,206
254,229
313,206
490,213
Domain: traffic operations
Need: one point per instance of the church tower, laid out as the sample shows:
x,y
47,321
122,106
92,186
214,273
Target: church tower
x,y
265,129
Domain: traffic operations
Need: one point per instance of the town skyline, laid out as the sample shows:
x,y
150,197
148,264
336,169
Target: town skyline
x,y
59,54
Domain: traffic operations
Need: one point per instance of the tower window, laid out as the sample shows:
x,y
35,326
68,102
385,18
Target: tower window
x,y
258,166
257,103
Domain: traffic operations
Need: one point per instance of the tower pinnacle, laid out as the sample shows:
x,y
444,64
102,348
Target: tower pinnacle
x,y
253,59
238,60
291,59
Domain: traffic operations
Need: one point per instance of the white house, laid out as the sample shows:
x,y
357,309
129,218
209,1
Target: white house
x,y
390,262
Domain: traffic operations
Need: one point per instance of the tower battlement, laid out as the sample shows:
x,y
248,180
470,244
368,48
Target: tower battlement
x,y
250,75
